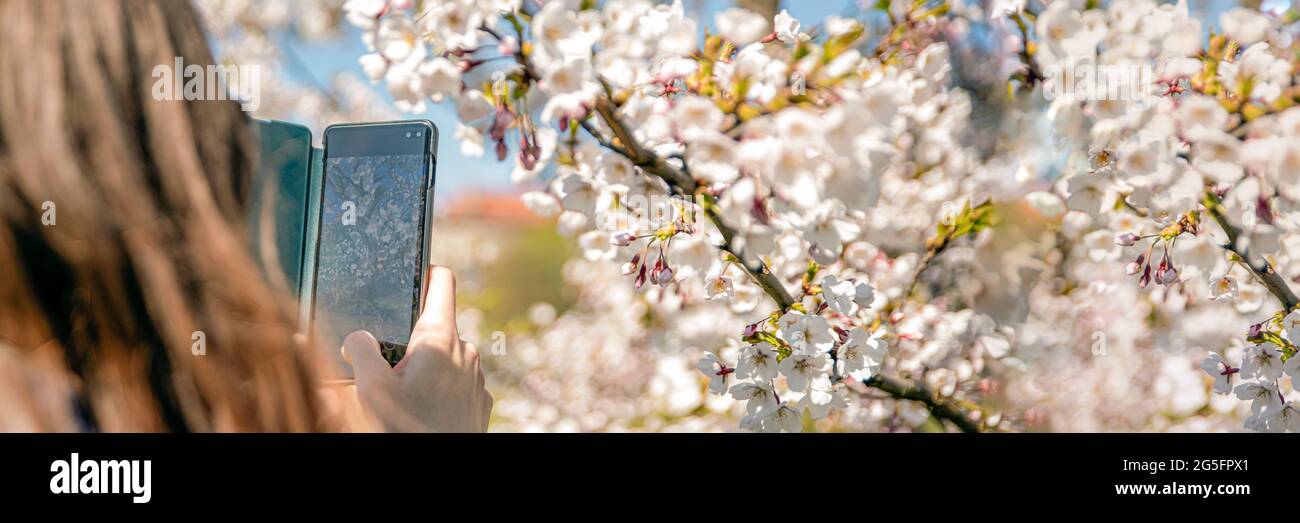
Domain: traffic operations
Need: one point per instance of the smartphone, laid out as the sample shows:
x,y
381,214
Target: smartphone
x,y
372,233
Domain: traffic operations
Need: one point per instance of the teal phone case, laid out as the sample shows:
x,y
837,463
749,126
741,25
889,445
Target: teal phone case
x,y
285,205
277,212
311,233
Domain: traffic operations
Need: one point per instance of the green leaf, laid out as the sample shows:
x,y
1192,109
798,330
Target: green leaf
x,y
970,220
841,43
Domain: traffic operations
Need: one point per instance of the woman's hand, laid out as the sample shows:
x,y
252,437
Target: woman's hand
x,y
438,386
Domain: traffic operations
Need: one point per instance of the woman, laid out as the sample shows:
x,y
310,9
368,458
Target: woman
x,y
122,245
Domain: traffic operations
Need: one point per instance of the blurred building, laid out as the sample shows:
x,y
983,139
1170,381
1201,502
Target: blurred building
x,y
506,257
498,208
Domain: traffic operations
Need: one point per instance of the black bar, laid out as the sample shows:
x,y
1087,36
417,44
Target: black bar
x,y
642,472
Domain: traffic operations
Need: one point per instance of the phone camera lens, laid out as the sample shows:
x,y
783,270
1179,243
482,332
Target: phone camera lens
x,y
418,134
408,135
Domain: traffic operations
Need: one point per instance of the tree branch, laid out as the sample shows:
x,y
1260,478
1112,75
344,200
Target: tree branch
x,y
684,185
646,160
754,266
1263,270
941,408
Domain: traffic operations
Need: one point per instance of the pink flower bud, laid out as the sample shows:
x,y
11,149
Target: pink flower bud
x,y
1169,275
665,276
640,277
1146,277
759,211
1127,239
623,239
629,268
1263,210
528,152
500,123
1136,266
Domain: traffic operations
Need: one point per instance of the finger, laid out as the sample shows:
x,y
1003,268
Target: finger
x,y
437,323
487,409
472,363
362,352
469,355
424,297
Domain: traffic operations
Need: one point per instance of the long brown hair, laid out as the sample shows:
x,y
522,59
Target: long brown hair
x,y
121,237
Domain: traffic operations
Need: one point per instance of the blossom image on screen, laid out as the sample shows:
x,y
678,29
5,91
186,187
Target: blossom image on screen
x,y
368,270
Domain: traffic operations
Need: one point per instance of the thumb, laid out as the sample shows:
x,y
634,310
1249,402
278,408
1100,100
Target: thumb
x,y
362,351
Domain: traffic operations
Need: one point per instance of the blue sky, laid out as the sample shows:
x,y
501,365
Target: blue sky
x,y
321,61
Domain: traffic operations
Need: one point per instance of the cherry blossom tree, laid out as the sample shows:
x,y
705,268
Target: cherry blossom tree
x,y
1194,177
804,210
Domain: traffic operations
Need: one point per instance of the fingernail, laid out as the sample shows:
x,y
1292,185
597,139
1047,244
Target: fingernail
x,y
358,340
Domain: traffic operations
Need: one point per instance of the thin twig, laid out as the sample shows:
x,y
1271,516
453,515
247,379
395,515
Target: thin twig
x,y
926,261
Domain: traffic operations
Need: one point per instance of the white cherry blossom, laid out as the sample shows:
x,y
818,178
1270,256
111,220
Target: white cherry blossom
x,y
1263,361
862,355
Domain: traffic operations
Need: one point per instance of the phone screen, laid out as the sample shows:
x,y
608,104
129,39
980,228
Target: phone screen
x,y
372,228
